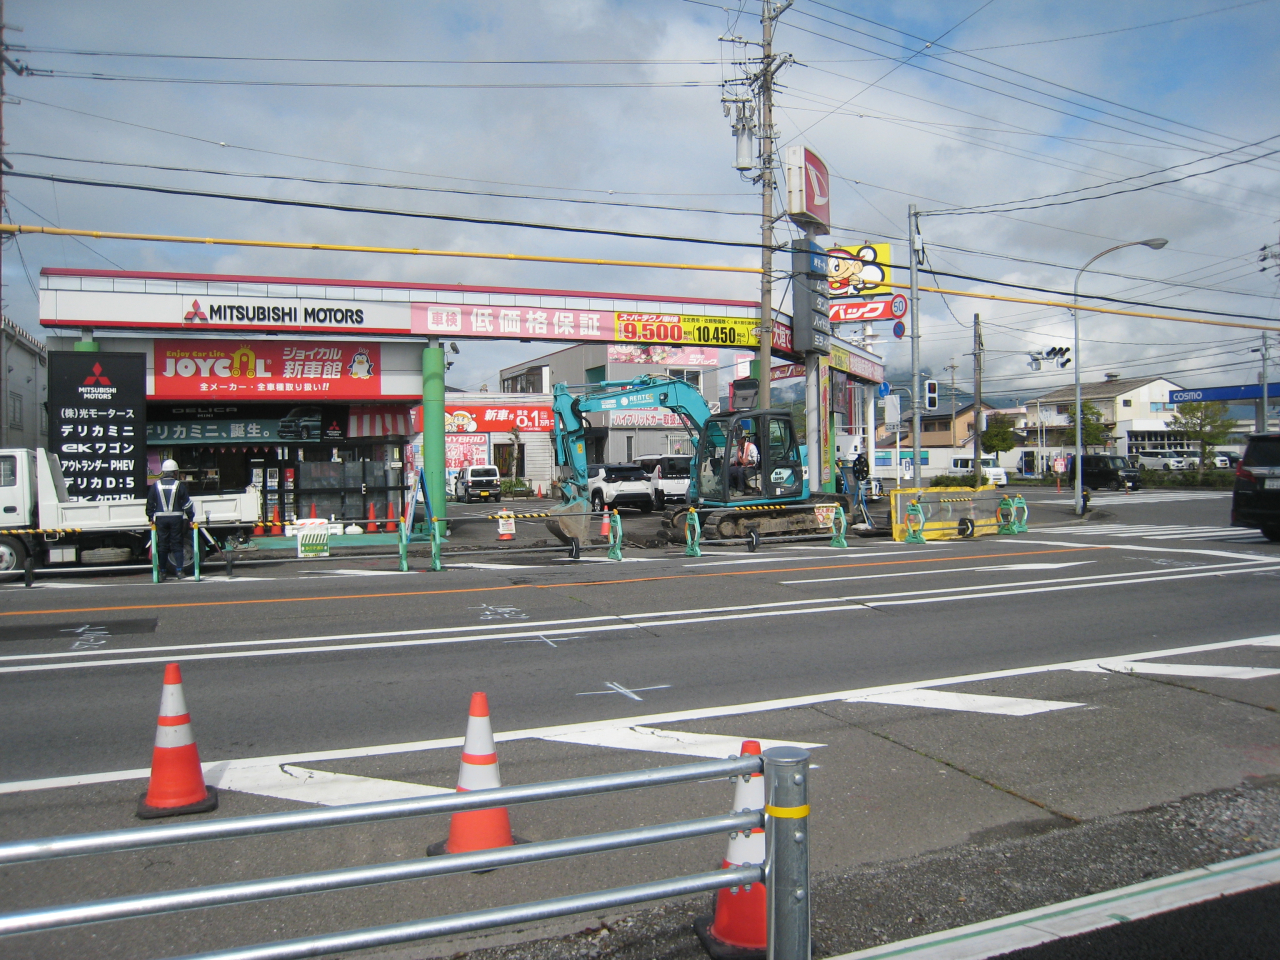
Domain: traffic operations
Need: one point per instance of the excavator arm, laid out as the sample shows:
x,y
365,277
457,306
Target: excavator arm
x,y
647,392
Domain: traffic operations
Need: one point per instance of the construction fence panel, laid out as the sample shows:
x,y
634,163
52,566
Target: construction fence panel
x,y
945,513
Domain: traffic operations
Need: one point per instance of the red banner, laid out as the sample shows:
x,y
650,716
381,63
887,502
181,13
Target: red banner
x,y
849,312
262,370
469,418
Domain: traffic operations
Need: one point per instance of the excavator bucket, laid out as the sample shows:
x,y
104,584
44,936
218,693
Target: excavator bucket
x,y
571,521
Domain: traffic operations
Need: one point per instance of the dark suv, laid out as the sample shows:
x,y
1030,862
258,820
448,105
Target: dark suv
x,y
1256,499
1106,471
301,423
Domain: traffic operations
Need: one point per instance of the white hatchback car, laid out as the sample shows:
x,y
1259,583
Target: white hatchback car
x,y
669,477
1161,460
619,485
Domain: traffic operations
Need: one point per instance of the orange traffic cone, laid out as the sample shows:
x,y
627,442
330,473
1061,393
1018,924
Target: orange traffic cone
x,y
276,529
506,525
604,523
177,782
391,525
737,932
371,526
539,491
477,829
313,509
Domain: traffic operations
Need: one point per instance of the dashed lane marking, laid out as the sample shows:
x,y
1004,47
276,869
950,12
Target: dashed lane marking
x,y
1137,499
968,702
652,719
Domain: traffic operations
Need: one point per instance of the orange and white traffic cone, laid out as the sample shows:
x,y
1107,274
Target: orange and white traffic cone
x,y
177,781
391,525
372,525
738,930
313,510
276,529
604,524
477,829
539,491
506,525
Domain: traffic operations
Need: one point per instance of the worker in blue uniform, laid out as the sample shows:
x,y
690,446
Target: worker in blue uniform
x,y
169,508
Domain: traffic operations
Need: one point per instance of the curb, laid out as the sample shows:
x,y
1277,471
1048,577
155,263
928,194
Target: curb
x,y
991,938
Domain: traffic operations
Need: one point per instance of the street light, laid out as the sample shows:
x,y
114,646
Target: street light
x,y
1156,243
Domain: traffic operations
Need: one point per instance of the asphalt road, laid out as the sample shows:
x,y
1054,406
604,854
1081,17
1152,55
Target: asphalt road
x,y
996,706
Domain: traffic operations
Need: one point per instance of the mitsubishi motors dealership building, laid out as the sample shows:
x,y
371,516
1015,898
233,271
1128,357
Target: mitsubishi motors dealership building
x,y
307,387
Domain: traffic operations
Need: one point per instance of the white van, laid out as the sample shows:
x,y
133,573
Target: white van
x,y
992,472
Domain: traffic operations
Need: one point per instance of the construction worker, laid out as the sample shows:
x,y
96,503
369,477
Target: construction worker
x,y
169,509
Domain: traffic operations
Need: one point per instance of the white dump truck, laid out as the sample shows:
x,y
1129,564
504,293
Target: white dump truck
x,y
39,520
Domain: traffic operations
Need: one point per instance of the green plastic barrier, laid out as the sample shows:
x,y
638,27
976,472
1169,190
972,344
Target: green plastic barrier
x,y
692,534
913,519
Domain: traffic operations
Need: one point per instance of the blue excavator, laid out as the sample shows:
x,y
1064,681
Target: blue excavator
x,y
733,497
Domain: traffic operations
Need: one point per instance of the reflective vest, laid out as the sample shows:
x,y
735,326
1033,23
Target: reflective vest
x,y
168,490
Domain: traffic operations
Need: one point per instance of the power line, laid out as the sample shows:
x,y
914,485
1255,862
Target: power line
x,y
376,211
328,84
592,61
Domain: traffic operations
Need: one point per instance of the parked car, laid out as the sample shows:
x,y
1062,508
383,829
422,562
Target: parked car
x,y
619,485
1105,471
1161,460
1255,501
992,472
301,423
477,483
668,476
1227,459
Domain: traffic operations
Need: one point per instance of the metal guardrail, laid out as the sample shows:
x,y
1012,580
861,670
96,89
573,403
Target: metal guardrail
x,y
785,871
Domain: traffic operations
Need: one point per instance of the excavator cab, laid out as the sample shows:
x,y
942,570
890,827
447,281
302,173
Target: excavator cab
x,y
750,457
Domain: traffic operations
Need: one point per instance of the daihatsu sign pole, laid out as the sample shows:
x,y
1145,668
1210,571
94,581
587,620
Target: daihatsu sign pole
x,y
1155,243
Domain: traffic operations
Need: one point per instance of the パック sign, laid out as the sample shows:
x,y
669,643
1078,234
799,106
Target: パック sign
x,y
848,312
263,370
98,423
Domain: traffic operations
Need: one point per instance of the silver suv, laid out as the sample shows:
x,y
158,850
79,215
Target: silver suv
x,y
619,485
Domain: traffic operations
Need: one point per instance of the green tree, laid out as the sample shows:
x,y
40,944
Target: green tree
x,y
1091,429
1207,424
999,436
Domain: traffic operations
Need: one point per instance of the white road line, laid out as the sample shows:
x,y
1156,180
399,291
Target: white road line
x,y
846,605
791,559
287,782
968,702
674,716
922,573
1209,671
1019,931
677,742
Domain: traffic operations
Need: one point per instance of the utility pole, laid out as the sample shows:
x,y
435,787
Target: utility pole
x,y
977,401
952,368
769,14
1265,421
914,248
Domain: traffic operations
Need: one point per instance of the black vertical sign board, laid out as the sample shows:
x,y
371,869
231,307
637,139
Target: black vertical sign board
x,y
98,423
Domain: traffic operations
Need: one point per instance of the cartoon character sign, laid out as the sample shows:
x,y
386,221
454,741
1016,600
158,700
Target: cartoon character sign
x,y
360,367
460,422
860,273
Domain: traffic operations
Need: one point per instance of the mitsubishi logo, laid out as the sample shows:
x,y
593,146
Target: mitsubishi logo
x,y
96,377
195,313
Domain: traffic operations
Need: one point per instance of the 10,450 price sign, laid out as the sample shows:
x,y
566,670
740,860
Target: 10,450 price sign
x,y
694,331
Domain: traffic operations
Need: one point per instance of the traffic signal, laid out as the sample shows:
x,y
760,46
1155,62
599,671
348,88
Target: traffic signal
x,y
931,394
1058,355
810,308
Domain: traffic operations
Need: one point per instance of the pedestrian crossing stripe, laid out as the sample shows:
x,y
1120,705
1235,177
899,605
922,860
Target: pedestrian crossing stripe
x,y
1169,496
1157,531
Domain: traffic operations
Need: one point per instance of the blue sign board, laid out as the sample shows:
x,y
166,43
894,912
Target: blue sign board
x,y
885,388
1252,391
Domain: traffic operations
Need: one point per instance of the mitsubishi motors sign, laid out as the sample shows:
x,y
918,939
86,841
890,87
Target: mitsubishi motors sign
x,y
808,190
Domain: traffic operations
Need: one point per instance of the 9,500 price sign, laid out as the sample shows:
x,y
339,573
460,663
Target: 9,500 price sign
x,y
695,331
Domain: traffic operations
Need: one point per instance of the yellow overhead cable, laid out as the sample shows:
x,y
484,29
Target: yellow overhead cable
x,y
16,228
351,248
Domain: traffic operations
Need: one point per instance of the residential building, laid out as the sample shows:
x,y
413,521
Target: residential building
x,y
24,387
1135,414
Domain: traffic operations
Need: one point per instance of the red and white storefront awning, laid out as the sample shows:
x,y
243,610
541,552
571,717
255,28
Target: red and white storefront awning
x,y
388,420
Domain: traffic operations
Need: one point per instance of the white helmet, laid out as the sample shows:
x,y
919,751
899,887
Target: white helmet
x,y
169,466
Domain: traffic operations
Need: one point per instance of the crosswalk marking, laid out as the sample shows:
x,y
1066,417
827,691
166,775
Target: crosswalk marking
x,y
967,702
1161,531
1149,496
287,782
677,742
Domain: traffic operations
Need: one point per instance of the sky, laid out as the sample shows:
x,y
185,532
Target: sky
x,y
1033,135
